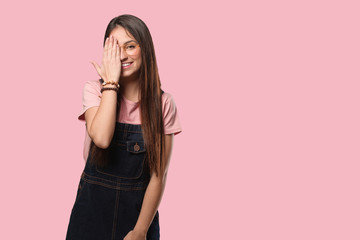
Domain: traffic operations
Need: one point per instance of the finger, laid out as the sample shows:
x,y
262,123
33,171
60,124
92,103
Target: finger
x,y
114,48
117,53
106,48
110,47
96,66
107,41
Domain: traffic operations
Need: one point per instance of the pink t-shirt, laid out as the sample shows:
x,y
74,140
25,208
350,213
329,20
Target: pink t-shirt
x,y
129,111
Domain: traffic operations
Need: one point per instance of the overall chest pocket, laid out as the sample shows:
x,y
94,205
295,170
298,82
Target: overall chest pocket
x,y
126,160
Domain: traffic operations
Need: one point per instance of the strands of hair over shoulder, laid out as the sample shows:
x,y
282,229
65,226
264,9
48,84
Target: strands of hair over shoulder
x,y
150,91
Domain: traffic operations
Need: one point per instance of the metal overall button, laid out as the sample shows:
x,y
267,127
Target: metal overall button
x,y
136,147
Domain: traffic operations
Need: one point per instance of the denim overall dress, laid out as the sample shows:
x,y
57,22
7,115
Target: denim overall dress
x,y
109,199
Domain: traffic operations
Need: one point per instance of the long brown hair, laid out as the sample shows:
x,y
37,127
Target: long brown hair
x,y
150,91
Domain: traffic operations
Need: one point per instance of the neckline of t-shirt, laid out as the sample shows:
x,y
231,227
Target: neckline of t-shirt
x,y
128,101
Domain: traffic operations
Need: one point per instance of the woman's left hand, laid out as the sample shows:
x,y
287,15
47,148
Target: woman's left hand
x,y
133,235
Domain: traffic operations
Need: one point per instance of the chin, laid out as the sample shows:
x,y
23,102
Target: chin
x,y
129,74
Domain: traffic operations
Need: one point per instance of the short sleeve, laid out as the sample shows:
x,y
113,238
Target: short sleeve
x,y
170,115
91,97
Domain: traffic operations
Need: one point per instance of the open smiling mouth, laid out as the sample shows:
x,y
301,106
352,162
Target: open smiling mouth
x,y
126,65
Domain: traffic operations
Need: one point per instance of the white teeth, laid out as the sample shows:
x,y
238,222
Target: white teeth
x,y
126,64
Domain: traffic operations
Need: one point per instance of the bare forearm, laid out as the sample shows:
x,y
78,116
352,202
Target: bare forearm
x,y
153,194
103,124
150,204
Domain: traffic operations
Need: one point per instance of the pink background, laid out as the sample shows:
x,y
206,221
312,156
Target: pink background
x,y
268,97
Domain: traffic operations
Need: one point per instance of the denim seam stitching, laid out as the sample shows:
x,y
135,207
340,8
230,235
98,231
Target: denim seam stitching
x,y
118,130
112,181
117,188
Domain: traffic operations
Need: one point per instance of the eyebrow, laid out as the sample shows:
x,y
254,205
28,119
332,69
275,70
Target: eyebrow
x,y
128,42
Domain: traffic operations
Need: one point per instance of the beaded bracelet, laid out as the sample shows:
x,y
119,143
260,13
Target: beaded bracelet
x,y
105,88
111,82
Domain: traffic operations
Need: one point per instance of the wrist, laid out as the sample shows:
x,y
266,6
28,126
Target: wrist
x,y
138,231
109,89
109,83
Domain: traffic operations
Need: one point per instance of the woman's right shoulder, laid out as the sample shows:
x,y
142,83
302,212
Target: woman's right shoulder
x,y
91,96
92,85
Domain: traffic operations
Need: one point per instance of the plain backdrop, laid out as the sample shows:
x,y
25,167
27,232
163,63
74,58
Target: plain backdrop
x,y
268,97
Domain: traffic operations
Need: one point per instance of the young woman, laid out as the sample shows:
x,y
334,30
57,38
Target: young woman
x,y
130,124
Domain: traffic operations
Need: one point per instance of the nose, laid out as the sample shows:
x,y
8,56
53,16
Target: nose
x,y
123,55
